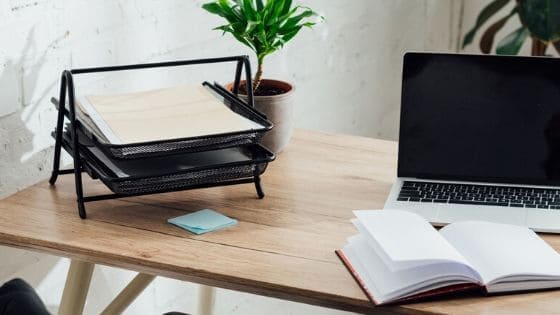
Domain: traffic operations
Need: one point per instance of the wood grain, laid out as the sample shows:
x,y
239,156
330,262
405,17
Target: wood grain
x,y
175,112
283,245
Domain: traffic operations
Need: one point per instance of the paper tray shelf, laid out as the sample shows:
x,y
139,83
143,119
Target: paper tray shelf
x,y
183,171
161,166
191,144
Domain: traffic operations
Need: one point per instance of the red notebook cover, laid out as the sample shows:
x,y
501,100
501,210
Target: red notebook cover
x,y
413,298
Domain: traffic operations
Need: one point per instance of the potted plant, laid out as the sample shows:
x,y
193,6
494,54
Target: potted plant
x,y
540,21
265,26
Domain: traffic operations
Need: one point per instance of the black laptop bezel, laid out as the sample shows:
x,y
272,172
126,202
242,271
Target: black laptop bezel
x,y
486,179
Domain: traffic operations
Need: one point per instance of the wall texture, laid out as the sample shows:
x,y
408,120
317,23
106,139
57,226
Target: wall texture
x,y
347,73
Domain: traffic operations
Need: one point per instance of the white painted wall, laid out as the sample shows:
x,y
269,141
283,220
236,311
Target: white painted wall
x,y
347,73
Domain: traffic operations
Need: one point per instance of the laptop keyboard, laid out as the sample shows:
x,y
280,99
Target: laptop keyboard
x,y
521,197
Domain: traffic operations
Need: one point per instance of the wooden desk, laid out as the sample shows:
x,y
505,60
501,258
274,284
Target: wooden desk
x,y
283,245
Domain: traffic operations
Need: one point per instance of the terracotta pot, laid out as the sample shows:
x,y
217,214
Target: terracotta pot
x,y
279,109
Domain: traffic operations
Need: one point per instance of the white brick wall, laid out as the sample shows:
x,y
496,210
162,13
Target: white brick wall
x,y
347,73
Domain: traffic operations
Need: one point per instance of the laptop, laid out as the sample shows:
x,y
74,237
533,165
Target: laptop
x,y
480,140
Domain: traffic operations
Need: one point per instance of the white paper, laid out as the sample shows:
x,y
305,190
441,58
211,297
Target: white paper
x,y
387,285
503,252
405,238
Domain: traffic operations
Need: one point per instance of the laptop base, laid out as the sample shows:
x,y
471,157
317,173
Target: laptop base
x,y
440,213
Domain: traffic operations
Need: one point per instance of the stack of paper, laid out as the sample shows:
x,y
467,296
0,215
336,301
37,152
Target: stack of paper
x,y
162,114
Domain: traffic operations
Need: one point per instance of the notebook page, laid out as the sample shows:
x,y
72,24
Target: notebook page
x,y
405,238
351,254
387,285
500,250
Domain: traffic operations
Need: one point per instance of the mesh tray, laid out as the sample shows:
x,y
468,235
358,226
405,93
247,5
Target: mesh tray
x,y
192,144
171,176
135,151
181,181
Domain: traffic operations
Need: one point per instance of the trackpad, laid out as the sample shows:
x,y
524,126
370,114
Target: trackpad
x,y
454,213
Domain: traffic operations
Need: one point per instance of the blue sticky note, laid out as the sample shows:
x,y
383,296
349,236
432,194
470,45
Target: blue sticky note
x,y
202,221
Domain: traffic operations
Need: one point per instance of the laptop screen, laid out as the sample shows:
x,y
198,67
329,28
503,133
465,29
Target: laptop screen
x,y
480,118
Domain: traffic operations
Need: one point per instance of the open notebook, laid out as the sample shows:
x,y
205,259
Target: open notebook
x,y
162,114
398,256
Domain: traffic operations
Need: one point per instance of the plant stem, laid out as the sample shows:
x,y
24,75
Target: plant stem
x,y
538,48
258,77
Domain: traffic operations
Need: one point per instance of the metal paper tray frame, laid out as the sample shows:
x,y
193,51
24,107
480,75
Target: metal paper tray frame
x,y
226,173
79,159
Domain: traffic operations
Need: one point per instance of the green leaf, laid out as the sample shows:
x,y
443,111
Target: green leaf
x,y
228,29
278,9
249,10
244,41
309,24
487,39
239,27
260,5
272,11
284,17
511,44
251,26
286,8
542,18
213,8
486,13
228,12
293,21
261,35
268,8
224,28
291,34
272,32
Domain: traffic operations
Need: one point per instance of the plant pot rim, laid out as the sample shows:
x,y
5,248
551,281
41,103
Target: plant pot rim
x,y
285,85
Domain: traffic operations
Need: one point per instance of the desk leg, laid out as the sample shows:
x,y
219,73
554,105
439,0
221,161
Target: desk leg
x,y
76,288
128,294
206,296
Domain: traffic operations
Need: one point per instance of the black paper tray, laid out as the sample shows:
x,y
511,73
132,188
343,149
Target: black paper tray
x,y
181,171
234,158
192,144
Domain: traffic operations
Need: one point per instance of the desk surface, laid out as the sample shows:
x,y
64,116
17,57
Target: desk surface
x,y
283,245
